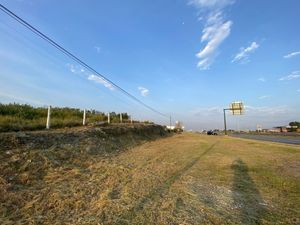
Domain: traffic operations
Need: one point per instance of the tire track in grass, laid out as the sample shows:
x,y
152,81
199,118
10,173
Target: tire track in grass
x,y
147,162
162,189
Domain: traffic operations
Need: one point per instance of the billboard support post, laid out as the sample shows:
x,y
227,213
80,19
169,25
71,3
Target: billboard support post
x,y
237,108
225,127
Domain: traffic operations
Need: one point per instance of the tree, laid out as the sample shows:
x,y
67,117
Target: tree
x,y
294,125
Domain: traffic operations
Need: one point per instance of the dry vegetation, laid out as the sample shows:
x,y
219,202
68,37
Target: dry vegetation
x,y
183,179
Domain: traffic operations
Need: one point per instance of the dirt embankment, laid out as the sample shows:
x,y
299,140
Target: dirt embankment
x,y
26,158
98,140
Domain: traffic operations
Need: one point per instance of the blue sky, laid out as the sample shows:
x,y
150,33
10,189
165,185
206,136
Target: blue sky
x,y
187,58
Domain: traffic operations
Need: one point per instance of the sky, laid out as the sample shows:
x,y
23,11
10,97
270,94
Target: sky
x,y
185,58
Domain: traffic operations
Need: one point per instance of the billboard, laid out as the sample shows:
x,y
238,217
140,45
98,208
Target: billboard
x,y
237,108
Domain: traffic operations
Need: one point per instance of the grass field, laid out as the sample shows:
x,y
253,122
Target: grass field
x,y
183,179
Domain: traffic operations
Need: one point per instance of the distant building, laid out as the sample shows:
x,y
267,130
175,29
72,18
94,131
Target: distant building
x,y
171,127
179,125
281,129
177,128
259,128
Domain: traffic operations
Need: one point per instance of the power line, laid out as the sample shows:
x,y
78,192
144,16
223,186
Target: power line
x,y
73,57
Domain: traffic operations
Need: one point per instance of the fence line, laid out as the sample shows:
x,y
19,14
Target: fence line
x,y
84,118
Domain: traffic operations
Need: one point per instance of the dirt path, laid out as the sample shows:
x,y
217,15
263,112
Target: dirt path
x,y
184,179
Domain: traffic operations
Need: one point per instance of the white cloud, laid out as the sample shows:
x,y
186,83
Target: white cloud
x,y
262,79
98,49
143,91
102,81
210,4
298,90
245,52
215,31
266,111
75,68
292,54
79,70
264,97
293,75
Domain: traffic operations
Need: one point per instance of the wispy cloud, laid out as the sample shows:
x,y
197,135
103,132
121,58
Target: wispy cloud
x,y
292,76
100,80
266,111
207,111
214,33
298,90
264,97
76,69
216,29
98,49
292,54
79,70
143,91
210,4
244,53
262,79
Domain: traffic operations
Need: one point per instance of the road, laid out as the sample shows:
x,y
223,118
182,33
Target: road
x,y
295,140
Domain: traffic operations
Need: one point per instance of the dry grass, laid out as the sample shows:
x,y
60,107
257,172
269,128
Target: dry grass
x,y
184,179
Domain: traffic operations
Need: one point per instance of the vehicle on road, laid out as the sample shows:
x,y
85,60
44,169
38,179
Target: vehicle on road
x,y
211,132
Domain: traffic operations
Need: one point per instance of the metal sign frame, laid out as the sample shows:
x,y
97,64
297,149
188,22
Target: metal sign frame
x,y
236,108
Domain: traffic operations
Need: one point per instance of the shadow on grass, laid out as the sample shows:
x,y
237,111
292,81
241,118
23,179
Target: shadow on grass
x,y
246,196
162,189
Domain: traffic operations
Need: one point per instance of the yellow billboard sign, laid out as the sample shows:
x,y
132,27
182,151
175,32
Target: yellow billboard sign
x,y
237,108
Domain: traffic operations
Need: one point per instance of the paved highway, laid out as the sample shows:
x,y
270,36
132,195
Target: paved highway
x,y
274,138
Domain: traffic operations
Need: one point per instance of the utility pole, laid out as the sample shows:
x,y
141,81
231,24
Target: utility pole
x,y
48,118
170,121
121,118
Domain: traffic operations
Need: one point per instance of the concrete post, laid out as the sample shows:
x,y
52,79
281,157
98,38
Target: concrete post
x,y
48,118
84,117
121,118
